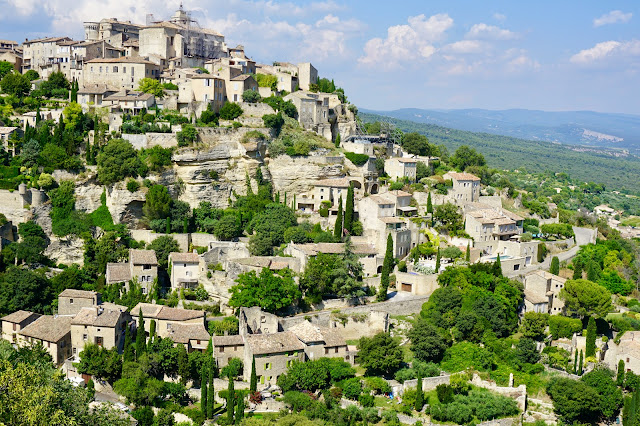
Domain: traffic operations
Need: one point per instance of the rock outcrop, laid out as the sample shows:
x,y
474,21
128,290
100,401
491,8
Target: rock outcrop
x,y
295,175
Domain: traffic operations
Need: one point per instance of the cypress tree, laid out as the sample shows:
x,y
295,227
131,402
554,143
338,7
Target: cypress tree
x,y
337,142
168,226
387,266
580,364
128,347
419,395
203,389
253,384
249,190
429,204
240,408
185,225
230,401
577,270
620,376
498,265
183,364
555,265
211,391
591,338
141,338
593,272
348,213
210,347
575,363
438,261
285,199
152,331
467,256
259,177
337,230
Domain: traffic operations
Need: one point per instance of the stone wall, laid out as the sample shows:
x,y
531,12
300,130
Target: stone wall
x,y
354,326
257,109
296,175
148,140
147,236
12,205
428,383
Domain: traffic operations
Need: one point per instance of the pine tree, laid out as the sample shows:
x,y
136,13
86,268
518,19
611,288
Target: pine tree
x,y
203,389
183,364
467,256
211,391
337,230
620,376
253,384
577,270
438,261
387,267
591,338
230,401
555,265
429,204
239,408
141,337
419,395
128,346
580,364
348,212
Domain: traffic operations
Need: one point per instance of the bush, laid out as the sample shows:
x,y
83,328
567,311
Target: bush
x,y
187,136
352,388
133,185
273,121
357,159
563,327
230,111
251,96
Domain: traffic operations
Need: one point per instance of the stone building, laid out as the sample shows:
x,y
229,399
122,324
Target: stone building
x,y
227,347
166,317
194,337
39,53
112,31
401,168
542,291
13,323
321,342
52,332
130,101
102,325
466,187
142,266
119,73
6,135
71,301
185,270
307,75
274,353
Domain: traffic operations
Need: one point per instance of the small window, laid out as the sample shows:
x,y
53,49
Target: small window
x,y
221,349
71,301
262,379
85,337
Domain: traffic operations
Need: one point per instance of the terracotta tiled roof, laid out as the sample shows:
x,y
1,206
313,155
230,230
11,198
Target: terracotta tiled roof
x,y
334,183
184,257
234,340
182,333
48,328
97,317
80,294
142,257
18,316
165,313
463,176
273,343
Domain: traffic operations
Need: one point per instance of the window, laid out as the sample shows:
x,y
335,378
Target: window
x,y
144,290
262,380
124,70
100,70
326,351
197,342
221,349
146,267
267,366
85,337
115,69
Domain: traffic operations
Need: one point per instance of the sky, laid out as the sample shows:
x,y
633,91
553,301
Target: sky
x,y
549,55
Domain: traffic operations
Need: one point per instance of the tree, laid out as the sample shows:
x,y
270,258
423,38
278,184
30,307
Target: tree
x,y
228,227
151,85
230,401
158,203
465,157
438,261
251,96
387,267
15,84
601,380
580,364
591,338
187,136
555,265
204,380
347,275
416,144
429,204
211,391
593,271
152,331
269,291
527,351
23,289
141,337
586,298
253,384
117,161
448,215
426,341
337,230
273,121
577,270
348,214
72,114
5,68
467,254
419,394
163,246
230,111
239,408
574,401
183,364
534,325
620,375
32,75
128,352
379,355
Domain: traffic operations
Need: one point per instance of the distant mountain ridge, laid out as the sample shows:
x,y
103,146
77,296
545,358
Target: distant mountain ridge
x,y
611,130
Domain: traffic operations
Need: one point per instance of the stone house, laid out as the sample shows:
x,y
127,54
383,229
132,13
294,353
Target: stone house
x,y
307,75
541,293
166,317
14,58
53,332
8,46
486,224
628,350
238,85
378,216
204,89
466,187
102,325
274,353
13,323
71,301
324,190
142,266
39,53
185,270
402,201
315,111
94,95
303,252
130,101
194,337
112,31
401,168
321,342
6,133
227,347
120,73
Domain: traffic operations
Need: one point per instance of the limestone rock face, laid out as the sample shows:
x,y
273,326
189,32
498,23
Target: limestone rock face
x,y
88,196
67,250
295,175
125,206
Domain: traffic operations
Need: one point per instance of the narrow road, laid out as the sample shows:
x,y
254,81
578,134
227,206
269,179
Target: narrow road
x,y
584,236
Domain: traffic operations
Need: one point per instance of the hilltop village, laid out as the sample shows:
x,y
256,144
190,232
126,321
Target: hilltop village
x,y
191,237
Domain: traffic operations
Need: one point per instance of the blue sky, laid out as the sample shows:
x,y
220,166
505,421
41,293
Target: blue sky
x,y
549,55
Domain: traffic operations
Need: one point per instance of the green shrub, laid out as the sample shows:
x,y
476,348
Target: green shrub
x,y
357,159
133,185
560,326
251,96
230,111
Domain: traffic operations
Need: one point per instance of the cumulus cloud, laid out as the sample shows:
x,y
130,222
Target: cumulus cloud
x,y
613,17
490,32
407,42
499,17
607,50
465,46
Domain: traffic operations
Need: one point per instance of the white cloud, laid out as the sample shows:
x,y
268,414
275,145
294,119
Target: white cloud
x,y
522,63
465,46
613,17
490,32
499,17
607,50
405,43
